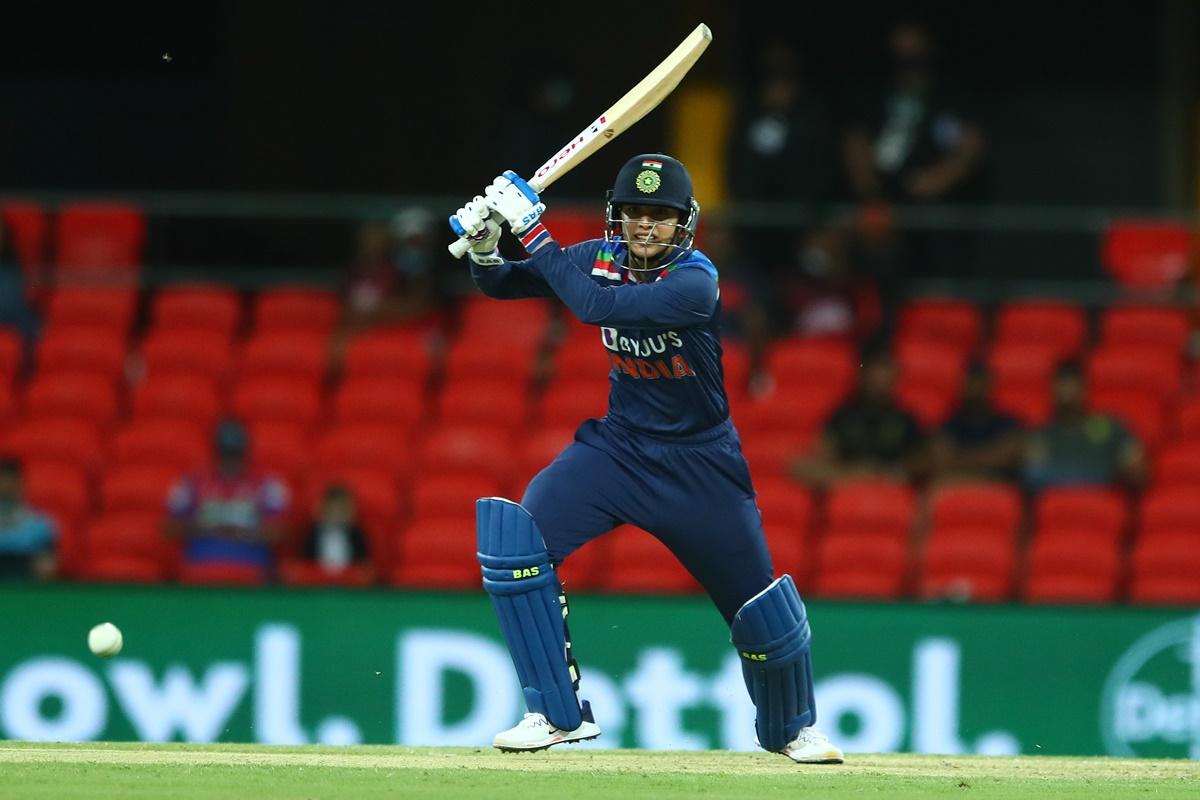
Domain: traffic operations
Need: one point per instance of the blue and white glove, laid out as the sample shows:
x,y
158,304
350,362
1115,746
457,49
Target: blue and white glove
x,y
515,200
474,223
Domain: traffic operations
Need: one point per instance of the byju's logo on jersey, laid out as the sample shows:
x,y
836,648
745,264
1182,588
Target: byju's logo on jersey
x,y
650,358
609,336
1151,701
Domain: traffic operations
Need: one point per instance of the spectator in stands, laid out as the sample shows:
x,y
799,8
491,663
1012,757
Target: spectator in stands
x,y
978,441
229,514
824,296
914,143
27,536
335,539
1079,447
393,280
870,435
15,310
783,149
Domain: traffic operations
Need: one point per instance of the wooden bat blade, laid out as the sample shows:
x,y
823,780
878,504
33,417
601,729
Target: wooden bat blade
x,y
639,101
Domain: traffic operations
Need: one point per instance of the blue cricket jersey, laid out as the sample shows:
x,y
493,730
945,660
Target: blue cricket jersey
x,y
661,337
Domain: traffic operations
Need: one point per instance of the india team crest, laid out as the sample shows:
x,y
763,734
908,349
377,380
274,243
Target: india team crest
x,y
648,181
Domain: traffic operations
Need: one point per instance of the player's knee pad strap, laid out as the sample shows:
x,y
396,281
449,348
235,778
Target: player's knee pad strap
x,y
528,600
772,638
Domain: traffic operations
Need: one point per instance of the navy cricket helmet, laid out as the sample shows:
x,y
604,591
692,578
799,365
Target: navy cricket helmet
x,y
654,179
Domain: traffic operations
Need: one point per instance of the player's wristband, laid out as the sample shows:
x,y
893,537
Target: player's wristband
x,y
535,237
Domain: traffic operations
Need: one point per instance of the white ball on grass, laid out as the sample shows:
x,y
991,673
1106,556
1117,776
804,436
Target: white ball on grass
x,y
105,640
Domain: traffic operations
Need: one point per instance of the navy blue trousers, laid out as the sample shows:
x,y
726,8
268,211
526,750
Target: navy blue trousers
x,y
693,494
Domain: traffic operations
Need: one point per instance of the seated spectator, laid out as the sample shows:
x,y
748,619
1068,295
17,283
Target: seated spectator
x,y
15,309
229,514
27,536
1079,447
824,296
870,435
978,441
391,280
334,538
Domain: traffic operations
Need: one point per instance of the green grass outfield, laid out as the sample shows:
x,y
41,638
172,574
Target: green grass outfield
x,y
100,771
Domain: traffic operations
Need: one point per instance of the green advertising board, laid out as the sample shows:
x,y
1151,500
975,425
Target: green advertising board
x,y
294,666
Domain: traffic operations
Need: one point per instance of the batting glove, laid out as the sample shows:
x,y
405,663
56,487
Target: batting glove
x,y
474,222
515,200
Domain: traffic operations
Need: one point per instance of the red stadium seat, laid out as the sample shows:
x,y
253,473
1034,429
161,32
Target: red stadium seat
x,y
967,565
68,440
1165,569
1147,254
1144,326
467,450
62,490
1032,406
381,400
1147,369
451,495
28,225
1169,508
587,567
289,354
280,447
1103,513
1041,322
942,320
90,396
497,358
941,364
376,493
12,353
985,508
1072,565
278,400
785,504
932,405
1024,364
130,547
92,307
857,566
384,448
790,552
1178,463
140,488
495,402
801,412
389,353
82,349
220,574
296,308
773,452
192,353
197,306
570,401
94,239
188,398
805,363
642,564
583,357
176,443
520,321
438,553
868,507
1186,422
536,447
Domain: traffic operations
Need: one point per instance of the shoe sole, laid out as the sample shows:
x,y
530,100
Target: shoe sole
x,y
508,749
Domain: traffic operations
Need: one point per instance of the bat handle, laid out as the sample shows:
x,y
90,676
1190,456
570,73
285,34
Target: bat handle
x,y
458,248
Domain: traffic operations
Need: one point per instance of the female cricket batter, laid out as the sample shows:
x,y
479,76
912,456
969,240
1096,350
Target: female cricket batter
x,y
666,458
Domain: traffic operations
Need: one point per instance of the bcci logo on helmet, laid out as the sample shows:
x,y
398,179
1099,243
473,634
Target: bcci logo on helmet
x,y
1151,701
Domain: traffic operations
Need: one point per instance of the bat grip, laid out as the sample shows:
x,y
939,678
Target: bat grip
x,y
458,248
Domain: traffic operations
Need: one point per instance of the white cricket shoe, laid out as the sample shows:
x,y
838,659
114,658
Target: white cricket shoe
x,y
812,747
535,732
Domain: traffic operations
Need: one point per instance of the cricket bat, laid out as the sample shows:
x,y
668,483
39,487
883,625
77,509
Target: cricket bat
x,y
637,103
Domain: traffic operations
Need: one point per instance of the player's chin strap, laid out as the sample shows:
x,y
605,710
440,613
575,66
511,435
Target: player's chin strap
x,y
772,637
532,609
